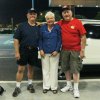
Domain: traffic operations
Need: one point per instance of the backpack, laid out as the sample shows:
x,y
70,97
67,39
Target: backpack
x,y
1,90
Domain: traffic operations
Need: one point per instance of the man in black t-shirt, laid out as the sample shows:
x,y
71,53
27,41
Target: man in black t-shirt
x,y
26,52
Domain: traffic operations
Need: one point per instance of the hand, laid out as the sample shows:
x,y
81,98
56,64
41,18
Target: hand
x,y
82,54
17,56
54,53
42,53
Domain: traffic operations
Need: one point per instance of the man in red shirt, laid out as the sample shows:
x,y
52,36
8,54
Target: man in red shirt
x,y
73,48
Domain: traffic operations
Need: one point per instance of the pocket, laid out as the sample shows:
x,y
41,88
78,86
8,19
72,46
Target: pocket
x,y
80,65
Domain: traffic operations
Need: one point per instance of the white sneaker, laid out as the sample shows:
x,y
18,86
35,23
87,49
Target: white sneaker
x,y
76,93
66,88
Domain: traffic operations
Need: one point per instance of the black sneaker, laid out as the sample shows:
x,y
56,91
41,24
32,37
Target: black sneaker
x,y
54,91
31,88
16,92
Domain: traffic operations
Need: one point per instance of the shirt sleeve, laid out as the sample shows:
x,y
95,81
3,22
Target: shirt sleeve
x,y
18,32
41,40
58,38
81,28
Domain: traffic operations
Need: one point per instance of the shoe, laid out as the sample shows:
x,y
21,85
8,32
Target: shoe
x,y
54,91
16,92
31,88
67,88
76,93
45,90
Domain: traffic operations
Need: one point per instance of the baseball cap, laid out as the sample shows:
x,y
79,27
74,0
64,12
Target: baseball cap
x,y
68,7
32,10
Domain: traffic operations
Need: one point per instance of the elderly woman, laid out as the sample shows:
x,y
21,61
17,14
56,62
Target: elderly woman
x,y
49,46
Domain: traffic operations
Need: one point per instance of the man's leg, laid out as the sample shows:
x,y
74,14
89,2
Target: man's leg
x,y
68,87
19,77
30,74
65,64
76,77
32,60
76,66
68,78
20,73
30,79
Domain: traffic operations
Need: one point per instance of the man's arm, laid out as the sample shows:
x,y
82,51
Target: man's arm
x,y
16,46
83,44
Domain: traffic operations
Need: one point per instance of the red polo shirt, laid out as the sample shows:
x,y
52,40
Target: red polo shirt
x,y
71,34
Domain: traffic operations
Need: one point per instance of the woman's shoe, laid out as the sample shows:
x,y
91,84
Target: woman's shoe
x,y
54,91
45,90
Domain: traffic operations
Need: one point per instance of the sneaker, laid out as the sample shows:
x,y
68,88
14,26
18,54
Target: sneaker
x,y
76,93
31,88
66,88
16,92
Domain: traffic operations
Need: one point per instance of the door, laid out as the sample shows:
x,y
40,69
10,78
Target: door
x,y
92,51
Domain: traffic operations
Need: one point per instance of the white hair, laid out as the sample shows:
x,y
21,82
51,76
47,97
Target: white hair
x,y
49,13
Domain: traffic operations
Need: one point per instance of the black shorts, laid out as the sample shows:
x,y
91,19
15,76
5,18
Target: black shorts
x,y
28,55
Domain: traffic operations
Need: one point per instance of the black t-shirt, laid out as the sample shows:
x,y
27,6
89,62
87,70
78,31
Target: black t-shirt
x,y
27,35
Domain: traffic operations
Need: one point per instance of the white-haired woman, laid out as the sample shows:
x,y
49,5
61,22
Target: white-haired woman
x,y
49,46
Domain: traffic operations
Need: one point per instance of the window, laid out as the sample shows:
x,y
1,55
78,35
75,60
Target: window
x,y
6,31
93,30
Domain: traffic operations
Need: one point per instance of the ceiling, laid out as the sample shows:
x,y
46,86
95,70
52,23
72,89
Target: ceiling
x,y
78,3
